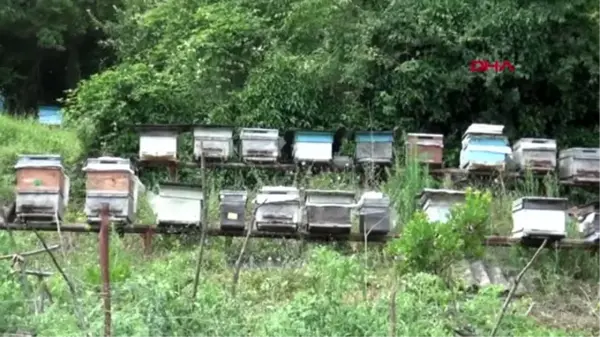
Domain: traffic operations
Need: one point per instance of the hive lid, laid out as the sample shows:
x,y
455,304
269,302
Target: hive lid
x,y
428,193
39,160
200,129
546,200
535,144
108,164
373,198
233,193
259,133
143,128
329,192
425,135
181,185
276,194
586,152
485,129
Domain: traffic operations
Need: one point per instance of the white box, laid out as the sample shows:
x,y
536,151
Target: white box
x,y
539,217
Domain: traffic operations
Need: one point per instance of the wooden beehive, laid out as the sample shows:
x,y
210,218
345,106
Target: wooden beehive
x,y
259,145
232,209
42,189
374,214
180,204
485,148
580,165
278,208
588,218
535,154
313,146
539,217
111,181
217,142
426,148
374,147
437,203
158,143
329,211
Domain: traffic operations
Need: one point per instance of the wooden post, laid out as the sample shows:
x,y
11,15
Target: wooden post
x,y
104,268
203,223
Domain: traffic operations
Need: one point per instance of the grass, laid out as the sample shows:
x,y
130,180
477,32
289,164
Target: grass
x,y
316,290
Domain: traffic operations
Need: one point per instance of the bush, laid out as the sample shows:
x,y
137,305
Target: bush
x,y
433,246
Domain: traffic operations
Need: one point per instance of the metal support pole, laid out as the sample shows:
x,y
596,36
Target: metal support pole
x,y
104,267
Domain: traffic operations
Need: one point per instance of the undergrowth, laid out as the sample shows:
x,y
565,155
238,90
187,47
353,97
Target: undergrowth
x,y
302,290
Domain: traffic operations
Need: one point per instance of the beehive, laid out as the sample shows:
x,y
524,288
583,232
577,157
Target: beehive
x,y
278,208
374,214
42,191
232,209
484,147
535,154
329,211
158,143
313,146
539,217
259,145
437,203
580,164
217,142
111,181
426,148
374,147
179,204
589,221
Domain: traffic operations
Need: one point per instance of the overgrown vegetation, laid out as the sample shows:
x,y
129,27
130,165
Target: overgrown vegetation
x,y
319,290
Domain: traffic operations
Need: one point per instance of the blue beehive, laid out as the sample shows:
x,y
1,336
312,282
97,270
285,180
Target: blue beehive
x,y
313,146
484,147
374,146
50,115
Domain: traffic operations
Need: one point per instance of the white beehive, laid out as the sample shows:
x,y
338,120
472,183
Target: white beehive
x,y
539,217
375,216
180,204
158,143
313,146
374,147
580,164
438,203
588,219
484,147
42,191
535,154
259,145
329,211
278,208
217,142
110,180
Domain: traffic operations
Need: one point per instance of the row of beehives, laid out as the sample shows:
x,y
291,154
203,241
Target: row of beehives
x,y
263,145
533,217
42,194
484,146
43,191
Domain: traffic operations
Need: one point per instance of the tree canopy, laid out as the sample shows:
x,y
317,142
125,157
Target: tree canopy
x,y
322,64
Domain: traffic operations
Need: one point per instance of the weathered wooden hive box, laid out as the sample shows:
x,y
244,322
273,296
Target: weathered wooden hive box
x,y
539,217
329,211
437,203
374,213
589,221
484,147
374,147
42,191
579,164
111,181
158,143
259,145
215,142
232,209
180,204
313,146
278,208
535,154
426,148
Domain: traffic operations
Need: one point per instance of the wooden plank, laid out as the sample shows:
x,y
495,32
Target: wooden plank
x,y
497,241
